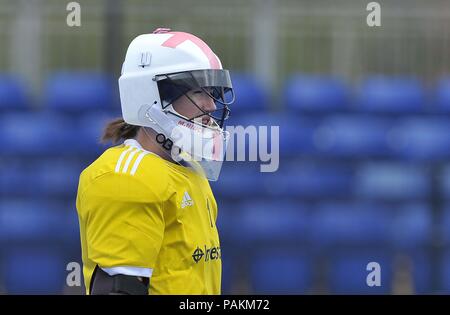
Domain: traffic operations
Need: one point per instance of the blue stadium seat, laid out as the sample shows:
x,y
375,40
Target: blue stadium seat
x,y
54,177
349,224
250,94
35,134
70,235
38,223
352,136
302,179
392,181
411,226
445,272
229,268
351,235
228,211
445,224
30,221
422,138
281,272
13,175
315,94
12,93
270,222
420,269
391,95
400,273
41,177
246,174
442,95
89,132
296,134
34,270
445,182
348,271
293,179
78,92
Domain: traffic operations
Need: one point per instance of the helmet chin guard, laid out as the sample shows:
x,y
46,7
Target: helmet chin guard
x,y
202,148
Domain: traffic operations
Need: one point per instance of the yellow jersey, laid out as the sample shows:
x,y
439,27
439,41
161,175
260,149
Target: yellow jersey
x,y
142,215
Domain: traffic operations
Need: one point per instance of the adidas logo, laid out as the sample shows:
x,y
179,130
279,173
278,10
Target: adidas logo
x,y
187,200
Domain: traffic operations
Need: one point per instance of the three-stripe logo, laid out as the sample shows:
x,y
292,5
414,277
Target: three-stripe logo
x,y
125,159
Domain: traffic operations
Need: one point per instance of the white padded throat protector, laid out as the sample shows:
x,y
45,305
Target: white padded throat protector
x,y
202,147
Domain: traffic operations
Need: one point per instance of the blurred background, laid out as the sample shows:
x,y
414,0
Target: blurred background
x,y
364,116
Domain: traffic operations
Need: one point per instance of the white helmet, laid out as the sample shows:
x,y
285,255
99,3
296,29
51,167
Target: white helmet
x,y
159,68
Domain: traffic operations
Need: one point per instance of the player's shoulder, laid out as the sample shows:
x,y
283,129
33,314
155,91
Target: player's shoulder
x,y
130,167
141,164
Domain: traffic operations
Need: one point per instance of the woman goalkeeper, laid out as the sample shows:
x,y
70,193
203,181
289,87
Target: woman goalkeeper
x,y
146,211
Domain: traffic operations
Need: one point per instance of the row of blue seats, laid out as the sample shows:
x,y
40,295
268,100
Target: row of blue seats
x,y
38,221
37,133
303,179
282,271
32,270
269,237
330,224
82,91
407,225
355,135
65,91
346,136
296,179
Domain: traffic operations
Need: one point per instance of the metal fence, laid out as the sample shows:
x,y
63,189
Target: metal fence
x,y
269,38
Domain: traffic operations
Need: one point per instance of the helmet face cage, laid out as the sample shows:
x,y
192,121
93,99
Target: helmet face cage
x,y
215,83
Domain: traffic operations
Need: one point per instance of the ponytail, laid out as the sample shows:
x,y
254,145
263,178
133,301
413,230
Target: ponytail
x,y
117,130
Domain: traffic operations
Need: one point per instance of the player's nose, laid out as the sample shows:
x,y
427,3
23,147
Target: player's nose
x,y
208,104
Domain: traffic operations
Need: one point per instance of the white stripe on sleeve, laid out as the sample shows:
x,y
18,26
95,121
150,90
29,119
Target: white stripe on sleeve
x,y
129,271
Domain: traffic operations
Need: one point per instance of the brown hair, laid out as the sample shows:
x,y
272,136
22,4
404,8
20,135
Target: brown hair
x,y
117,130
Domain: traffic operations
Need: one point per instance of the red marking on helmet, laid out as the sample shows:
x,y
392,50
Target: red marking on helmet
x,y
161,30
180,37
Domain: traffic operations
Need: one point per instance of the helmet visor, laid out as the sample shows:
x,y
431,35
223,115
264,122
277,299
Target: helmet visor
x,y
199,78
216,83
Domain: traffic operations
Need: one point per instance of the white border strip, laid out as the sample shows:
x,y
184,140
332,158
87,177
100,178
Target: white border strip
x,y
137,162
130,157
129,271
122,156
